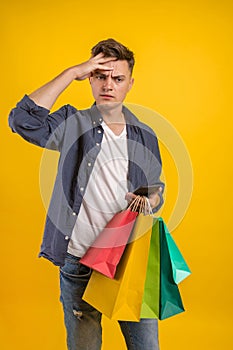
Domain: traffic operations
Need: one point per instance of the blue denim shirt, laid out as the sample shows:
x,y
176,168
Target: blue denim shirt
x,y
77,135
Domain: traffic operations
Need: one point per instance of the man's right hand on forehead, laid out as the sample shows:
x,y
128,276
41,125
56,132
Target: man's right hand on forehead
x,y
84,70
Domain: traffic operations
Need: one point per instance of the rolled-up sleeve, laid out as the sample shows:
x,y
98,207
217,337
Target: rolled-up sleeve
x,y
36,125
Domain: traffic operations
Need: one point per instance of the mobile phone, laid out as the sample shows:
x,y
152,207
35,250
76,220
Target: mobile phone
x,y
146,190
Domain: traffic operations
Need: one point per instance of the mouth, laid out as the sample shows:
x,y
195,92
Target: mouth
x,y
107,96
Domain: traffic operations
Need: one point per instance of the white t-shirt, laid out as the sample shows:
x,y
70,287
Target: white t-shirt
x,y
105,192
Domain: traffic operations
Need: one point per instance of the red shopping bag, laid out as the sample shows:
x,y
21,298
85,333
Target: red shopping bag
x,y
105,254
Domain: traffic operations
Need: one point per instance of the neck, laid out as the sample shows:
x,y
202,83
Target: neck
x,y
112,113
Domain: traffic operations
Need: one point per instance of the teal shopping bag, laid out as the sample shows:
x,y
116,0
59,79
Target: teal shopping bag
x,y
150,303
179,267
170,299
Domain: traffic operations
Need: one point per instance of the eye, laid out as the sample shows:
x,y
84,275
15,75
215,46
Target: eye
x,y
119,79
100,77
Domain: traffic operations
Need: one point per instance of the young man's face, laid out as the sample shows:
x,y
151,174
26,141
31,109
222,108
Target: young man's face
x,y
111,86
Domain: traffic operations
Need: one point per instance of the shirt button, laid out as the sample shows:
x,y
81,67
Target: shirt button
x,y
66,238
99,131
97,144
74,213
82,189
88,164
94,122
100,119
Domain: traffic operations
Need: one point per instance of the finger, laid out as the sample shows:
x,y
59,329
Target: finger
x,y
130,196
154,200
99,55
107,59
103,67
101,58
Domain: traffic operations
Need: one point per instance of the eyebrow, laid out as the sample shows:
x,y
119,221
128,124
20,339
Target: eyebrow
x,y
113,76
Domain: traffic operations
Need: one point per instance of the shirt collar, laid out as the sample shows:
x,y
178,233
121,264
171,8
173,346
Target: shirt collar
x,y
96,116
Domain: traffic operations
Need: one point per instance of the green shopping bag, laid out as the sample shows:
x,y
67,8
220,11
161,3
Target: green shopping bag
x,y
170,299
150,303
179,267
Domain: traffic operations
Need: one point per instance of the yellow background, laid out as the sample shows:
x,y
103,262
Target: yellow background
x,y
184,72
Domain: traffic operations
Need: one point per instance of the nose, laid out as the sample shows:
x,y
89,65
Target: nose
x,y
107,86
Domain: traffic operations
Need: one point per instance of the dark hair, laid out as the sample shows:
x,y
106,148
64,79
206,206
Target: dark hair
x,y
112,48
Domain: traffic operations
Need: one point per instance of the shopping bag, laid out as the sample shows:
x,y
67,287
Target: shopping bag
x,y
166,268
150,302
170,299
179,267
106,251
121,298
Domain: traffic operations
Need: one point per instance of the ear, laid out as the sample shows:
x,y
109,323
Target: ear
x,y
131,83
91,78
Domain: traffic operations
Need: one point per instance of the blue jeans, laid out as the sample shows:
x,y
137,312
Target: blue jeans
x,y
83,322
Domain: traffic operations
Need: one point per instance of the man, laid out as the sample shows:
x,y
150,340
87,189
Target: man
x,y
106,153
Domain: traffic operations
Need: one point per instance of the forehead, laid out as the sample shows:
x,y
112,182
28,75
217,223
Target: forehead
x,y
120,67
